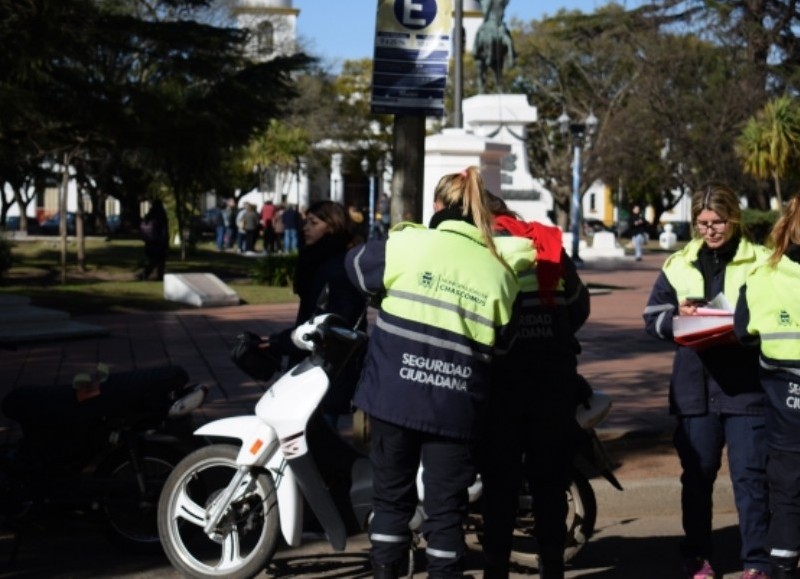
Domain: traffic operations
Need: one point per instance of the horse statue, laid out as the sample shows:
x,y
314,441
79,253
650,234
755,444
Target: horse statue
x,y
494,47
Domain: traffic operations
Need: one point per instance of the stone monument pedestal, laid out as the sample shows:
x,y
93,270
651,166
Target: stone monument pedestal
x,y
504,118
452,151
198,289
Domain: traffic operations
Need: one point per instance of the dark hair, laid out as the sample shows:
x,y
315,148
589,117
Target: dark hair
x,y
331,213
498,206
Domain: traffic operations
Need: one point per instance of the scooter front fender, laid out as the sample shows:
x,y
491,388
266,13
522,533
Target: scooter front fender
x,y
254,432
259,441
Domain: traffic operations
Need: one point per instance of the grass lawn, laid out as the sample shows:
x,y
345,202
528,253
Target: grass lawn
x,y
109,282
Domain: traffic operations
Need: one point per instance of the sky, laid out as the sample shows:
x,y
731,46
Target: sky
x,y
338,30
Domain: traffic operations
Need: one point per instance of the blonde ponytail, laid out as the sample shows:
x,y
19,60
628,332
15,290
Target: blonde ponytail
x,y
466,191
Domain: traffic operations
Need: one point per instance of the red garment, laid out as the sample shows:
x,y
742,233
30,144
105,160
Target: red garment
x,y
546,240
267,211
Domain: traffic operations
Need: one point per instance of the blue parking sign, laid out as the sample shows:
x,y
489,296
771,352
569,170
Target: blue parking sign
x,y
411,58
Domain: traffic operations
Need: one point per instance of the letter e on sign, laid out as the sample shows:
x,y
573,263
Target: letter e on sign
x,y
415,14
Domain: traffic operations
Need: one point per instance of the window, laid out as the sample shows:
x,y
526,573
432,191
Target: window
x,y
265,38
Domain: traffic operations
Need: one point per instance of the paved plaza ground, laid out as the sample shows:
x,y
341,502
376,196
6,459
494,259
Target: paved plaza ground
x,y
638,529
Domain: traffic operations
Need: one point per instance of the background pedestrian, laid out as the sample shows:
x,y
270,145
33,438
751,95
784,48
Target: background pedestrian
x,y
155,232
637,225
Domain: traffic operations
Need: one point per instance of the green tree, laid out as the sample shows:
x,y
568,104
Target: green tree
x,y
278,149
676,127
770,142
670,103
134,88
764,32
576,64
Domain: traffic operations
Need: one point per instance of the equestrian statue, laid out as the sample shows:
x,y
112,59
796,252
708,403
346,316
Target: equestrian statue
x,y
494,47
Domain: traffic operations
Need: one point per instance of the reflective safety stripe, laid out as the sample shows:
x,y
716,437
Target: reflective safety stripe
x,y
665,309
441,554
558,300
359,275
425,339
774,368
658,308
475,317
381,538
660,324
781,336
784,553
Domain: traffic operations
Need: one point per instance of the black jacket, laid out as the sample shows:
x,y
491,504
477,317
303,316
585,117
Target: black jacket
x,y
320,265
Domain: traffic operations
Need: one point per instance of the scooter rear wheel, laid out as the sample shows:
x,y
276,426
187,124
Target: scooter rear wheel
x,y
581,519
243,542
131,509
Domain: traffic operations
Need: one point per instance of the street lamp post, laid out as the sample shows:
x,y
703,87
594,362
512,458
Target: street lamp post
x,y
298,167
579,132
371,174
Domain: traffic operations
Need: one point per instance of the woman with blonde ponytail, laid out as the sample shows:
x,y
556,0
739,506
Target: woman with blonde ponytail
x,y
446,308
463,196
768,317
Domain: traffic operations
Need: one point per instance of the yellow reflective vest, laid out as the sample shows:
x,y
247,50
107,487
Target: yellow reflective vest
x,y
447,308
773,298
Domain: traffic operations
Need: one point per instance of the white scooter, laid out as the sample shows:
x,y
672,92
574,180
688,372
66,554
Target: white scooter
x,y
223,507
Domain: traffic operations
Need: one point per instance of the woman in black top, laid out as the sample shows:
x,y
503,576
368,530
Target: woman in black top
x,y
320,263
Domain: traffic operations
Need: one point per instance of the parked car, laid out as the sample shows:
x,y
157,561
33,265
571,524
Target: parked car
x,y
114,222
592,226
12,223
51,225
205,225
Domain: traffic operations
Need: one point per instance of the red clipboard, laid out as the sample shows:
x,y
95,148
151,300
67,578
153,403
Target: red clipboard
x,y
702,332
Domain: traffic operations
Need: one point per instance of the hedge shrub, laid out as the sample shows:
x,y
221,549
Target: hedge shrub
x,y
759,223
275,270
5,255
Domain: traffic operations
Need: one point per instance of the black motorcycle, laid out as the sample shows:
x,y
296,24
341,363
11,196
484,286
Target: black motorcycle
x,y
102,449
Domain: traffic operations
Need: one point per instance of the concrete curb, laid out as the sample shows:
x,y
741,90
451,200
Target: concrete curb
x,y
653,497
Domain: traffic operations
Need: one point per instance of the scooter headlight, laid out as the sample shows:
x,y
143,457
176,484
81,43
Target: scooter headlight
x,y
189,402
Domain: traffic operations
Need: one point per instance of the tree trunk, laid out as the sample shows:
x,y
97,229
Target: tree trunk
x,y
777,180
408,157
80,233
62,216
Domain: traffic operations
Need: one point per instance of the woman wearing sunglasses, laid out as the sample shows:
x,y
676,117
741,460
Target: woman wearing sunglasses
x,y
715,393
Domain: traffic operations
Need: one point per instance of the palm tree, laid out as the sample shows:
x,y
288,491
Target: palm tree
x,y
280,147
770,141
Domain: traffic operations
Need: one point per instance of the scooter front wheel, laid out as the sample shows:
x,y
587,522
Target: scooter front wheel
x,y
245,539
